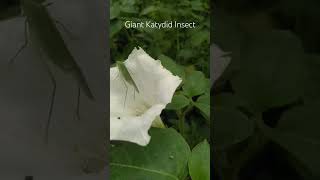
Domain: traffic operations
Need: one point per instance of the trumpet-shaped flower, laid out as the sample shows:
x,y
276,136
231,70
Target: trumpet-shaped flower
x,y
132,113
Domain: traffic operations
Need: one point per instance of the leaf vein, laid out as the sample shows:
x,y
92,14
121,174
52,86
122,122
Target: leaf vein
x,y
144,169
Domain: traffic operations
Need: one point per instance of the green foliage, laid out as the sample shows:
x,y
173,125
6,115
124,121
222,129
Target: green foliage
x,y
178,102
199,162
186,46
173,67
302,140
165,158
270,95
185,53
203,104
195,84
230,127
278,70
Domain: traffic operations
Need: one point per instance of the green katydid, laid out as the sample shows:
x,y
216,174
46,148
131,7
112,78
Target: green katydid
x,y
126,75
42,29
123,70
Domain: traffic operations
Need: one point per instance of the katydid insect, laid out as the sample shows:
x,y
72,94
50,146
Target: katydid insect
x,y
127,77
42,30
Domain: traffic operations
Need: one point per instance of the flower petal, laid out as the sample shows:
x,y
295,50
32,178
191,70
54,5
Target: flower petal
x,y
132,113
157,84
134,128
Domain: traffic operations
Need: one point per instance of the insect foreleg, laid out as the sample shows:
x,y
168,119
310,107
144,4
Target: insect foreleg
x,y
53,94
134,94
12,60
125,98
77,113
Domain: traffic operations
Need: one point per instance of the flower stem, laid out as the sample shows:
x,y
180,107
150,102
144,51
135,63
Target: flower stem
x,y
182,118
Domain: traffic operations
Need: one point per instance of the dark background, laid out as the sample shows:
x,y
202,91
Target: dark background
x,y
269,38
26,87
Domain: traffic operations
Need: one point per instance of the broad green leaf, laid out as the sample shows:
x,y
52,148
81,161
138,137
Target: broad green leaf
x,y
178,102
200,37
203,104
272,70
195,84
199,162
298,133
114,11
230,127
172,66
116,26
165,158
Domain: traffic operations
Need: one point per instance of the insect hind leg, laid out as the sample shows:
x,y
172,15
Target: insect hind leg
x,y
53,94
125,98
126,86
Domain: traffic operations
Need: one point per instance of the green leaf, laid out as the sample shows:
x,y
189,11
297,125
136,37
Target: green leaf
x,y
164,158
172,66
272,70
203,104
114,11
178,102
298,133
199,37
195,84
116,26
199,162
230,127
187,53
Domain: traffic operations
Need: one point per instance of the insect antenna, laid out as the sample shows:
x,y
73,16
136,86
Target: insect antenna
x,y
53,94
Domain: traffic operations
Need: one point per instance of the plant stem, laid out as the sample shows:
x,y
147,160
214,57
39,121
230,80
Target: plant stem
x,y
178,44
182,118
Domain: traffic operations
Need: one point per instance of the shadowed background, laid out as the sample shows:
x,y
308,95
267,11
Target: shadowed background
x,y
25,91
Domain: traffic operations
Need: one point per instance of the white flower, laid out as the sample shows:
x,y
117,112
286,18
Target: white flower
x,y
132,113
219,62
